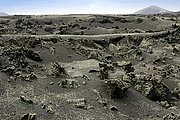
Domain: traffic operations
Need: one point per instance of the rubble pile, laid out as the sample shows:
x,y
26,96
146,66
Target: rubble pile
x,y
152,87
15,58
171,116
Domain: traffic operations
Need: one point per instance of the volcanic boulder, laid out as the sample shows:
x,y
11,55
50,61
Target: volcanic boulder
x,y
117,87
104,70
33,55
126,65
57,69
153,88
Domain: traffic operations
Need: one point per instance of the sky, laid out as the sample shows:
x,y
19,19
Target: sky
x,y
38,7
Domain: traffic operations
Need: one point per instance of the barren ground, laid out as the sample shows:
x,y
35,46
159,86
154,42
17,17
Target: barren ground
x,y
90,67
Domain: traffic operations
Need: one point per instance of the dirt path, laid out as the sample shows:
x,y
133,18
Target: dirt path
x,y
87,36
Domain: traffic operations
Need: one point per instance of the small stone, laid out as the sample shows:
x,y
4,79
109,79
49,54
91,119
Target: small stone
x,y
25,117
84,83
70,56
174,54
113,108
108,56
170,58
70,83
25,91
103,102
33,116
59,83
141,58
24,99
73,48
89,107
29,116
9,80
50,102
12,78
103,74
143,64
51,83
93,71
93,55
86,77
79,103
43,106
50,110
52,50
164,104
157,115
126,65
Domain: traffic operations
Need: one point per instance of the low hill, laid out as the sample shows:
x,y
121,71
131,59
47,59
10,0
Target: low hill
x,y
152,10
3,14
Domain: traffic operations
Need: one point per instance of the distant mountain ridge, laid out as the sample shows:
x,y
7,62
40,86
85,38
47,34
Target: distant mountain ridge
x,y
3,14
152,10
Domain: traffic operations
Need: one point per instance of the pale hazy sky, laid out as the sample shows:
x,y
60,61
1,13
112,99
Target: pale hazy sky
x,y
83,6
